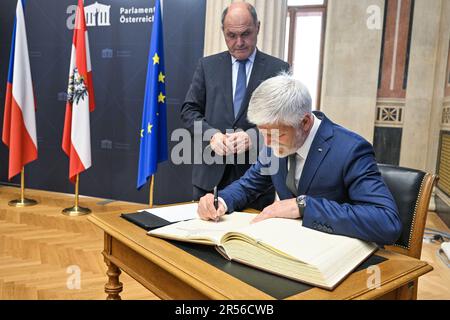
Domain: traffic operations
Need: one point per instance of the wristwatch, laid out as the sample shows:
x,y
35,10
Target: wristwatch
x,y
301,203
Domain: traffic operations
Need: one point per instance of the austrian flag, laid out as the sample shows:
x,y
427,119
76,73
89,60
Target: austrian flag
x,y
80,100
19,123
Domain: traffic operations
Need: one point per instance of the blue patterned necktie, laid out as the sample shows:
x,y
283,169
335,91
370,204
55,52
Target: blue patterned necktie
x,y
241,87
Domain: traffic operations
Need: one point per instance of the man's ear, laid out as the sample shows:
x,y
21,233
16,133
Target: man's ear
x,y
258,27
308,122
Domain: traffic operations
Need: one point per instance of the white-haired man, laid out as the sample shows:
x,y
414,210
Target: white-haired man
x,y
326,174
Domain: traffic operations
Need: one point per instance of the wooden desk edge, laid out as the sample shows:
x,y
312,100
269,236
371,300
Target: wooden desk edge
x,y
400,283
161,262
315,293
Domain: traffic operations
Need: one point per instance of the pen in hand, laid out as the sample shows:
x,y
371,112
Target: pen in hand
x,y
216,202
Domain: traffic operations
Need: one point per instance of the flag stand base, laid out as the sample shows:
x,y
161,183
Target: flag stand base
x,y
20,203
76,211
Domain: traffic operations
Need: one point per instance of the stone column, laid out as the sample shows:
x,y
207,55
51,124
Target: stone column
x,y
437,152
351,63
424,97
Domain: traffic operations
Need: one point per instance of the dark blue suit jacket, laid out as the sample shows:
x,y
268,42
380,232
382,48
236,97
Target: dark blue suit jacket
x,y
346,194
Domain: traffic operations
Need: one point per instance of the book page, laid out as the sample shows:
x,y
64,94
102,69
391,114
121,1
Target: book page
x,y
175,213
198,229
291,239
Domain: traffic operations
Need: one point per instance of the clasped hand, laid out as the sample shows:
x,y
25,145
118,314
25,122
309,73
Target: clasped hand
x,y
230,143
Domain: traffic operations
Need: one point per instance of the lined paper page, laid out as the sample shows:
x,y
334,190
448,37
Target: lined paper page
x,y
307,245
201,229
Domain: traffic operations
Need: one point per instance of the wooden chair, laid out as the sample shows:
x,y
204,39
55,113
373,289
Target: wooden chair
x,y
411,190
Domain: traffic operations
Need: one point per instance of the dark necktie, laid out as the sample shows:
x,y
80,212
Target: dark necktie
x,y
241,87
290,178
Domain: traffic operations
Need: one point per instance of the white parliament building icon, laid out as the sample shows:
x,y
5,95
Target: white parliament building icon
x,y
97,14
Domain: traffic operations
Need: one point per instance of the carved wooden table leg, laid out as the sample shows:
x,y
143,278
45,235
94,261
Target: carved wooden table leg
x,y
114,286
408,291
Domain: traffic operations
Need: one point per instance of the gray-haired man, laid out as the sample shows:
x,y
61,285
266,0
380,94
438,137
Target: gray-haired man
x,y
327,175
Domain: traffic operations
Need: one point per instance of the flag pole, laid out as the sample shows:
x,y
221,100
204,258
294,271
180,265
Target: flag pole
x,y
22,202
76,210
152,188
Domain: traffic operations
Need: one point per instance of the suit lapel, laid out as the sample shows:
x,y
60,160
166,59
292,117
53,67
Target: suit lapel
x,y
317,152
226,79
255,79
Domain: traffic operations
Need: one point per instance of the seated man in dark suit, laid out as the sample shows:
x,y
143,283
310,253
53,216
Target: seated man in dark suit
x,y
322,172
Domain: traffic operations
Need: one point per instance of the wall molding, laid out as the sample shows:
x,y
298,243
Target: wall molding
x,y
445,121
445,117
390,113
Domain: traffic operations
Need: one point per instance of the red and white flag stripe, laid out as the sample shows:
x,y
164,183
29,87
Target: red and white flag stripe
x,y
76,137
19,122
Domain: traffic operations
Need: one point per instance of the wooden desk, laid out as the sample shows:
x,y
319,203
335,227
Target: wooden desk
x,y
172,273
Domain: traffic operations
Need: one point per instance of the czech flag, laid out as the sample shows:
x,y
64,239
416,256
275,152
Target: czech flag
x,y
19,122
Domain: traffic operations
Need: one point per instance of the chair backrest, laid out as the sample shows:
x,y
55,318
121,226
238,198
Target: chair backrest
x,y
411,190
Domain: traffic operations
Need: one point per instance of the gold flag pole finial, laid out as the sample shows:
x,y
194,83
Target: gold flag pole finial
x,y
152,187
76,210
22,202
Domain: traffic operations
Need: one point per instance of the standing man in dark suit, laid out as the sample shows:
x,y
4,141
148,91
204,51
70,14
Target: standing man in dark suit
x,y
218,98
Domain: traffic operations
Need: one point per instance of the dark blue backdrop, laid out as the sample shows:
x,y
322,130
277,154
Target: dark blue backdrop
x,y
119,60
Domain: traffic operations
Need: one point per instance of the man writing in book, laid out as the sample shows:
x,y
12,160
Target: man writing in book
x,y
322,172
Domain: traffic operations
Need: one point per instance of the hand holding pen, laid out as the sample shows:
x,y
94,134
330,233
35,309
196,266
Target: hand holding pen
x,y
216,203
210,208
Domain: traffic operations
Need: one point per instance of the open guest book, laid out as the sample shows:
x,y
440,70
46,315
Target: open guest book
x,y
281,246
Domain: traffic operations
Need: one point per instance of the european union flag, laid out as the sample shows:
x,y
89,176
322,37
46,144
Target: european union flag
x,y
153,133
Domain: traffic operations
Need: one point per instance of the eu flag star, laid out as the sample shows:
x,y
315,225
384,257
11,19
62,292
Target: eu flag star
x,y
142,133
149,128
161,98
161,77
155,59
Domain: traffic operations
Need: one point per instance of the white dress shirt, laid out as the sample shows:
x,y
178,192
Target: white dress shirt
x,y
302,152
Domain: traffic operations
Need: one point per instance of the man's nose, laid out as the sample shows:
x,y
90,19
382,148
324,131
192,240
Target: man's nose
x,y
240,42
267,140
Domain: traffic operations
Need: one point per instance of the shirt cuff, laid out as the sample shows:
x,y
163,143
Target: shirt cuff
x,y
223,203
